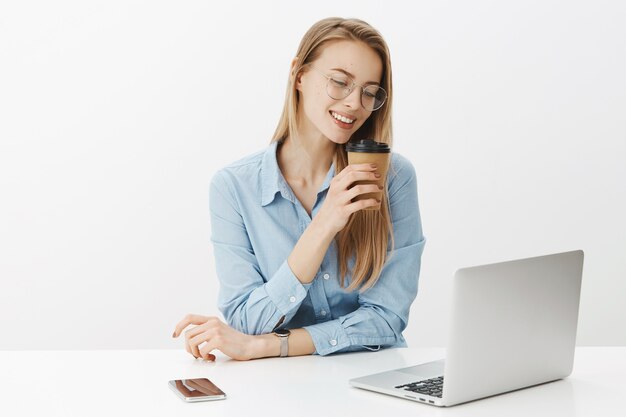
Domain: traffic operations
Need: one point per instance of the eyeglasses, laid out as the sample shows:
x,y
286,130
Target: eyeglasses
x,y
340,86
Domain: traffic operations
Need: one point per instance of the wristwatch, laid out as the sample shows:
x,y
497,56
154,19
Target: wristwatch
x,y
283,335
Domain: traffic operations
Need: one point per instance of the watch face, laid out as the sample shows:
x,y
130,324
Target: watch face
x,y
282,332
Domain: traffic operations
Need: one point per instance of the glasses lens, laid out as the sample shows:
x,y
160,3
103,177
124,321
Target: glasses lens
x,y
338,86
373,97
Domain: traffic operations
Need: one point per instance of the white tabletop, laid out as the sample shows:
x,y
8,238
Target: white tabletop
x,y
134,382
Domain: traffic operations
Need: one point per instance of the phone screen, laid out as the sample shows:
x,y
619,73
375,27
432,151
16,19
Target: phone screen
x,y
198,389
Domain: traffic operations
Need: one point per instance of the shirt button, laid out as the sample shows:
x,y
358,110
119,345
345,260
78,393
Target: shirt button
x,y
333,342
323,312
326,276
292,299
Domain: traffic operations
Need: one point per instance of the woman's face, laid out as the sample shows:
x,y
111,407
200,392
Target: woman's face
x,y
338,119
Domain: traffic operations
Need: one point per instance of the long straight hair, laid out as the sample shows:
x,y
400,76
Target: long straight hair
x,y
368,235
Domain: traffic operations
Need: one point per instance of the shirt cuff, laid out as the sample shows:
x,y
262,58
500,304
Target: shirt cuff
x,y
285,290
328,337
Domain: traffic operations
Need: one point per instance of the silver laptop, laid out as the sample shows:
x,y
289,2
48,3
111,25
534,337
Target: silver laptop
x,y
513,325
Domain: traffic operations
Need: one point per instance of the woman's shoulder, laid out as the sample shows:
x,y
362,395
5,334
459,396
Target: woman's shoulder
x,y
243,169
401,174
401,168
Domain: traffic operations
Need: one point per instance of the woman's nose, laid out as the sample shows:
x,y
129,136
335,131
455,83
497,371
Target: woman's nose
x,y
353,99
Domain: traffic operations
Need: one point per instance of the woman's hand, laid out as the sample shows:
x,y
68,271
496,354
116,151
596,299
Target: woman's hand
x,y
211,333
338,206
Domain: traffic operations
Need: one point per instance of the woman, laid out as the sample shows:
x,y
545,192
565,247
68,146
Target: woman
x,y
303,268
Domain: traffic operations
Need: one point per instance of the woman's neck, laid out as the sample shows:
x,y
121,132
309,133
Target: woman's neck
x,y
306,161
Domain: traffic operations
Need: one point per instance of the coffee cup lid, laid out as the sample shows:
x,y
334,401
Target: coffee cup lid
x,y
367,145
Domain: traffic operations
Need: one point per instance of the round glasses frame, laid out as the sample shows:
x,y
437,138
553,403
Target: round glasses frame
x,y
333,84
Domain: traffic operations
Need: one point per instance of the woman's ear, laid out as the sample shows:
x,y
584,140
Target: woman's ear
x,y
297,81
294,62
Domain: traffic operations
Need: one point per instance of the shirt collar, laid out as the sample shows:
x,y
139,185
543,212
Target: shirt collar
x,y
270,175
272,180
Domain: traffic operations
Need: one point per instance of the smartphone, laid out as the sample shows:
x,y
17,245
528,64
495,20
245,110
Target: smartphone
x,y
199,389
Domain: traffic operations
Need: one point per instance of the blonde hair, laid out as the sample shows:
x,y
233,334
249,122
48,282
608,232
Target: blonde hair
x,y
368,235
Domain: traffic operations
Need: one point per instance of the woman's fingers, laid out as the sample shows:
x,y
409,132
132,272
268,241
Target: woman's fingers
x,y
204,342
195,341
361,204
191,343
189,319
206,329
363,171
343,178
355,167
205,351
349,182
362,189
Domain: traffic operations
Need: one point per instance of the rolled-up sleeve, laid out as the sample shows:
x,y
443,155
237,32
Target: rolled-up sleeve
x,y
383,311
249,302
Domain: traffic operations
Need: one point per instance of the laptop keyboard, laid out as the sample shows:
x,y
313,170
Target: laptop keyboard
x,y
432,387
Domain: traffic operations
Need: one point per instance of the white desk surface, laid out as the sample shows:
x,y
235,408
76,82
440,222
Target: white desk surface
x,y
134,382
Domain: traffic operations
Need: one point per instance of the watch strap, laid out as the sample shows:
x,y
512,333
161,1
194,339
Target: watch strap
x,y
283,335
284,345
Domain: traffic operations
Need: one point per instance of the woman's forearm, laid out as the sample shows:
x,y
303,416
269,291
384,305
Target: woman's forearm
x,y
305,260
307,255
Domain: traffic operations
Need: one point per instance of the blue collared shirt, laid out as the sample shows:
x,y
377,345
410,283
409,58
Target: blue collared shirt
x,y
256,221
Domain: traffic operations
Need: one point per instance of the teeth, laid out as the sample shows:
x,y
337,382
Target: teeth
x,y
341,118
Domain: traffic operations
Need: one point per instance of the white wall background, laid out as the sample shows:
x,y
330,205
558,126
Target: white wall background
x,y
115,114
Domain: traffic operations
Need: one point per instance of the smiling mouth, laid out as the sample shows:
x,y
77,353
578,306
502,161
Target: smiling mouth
x,y
341,118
